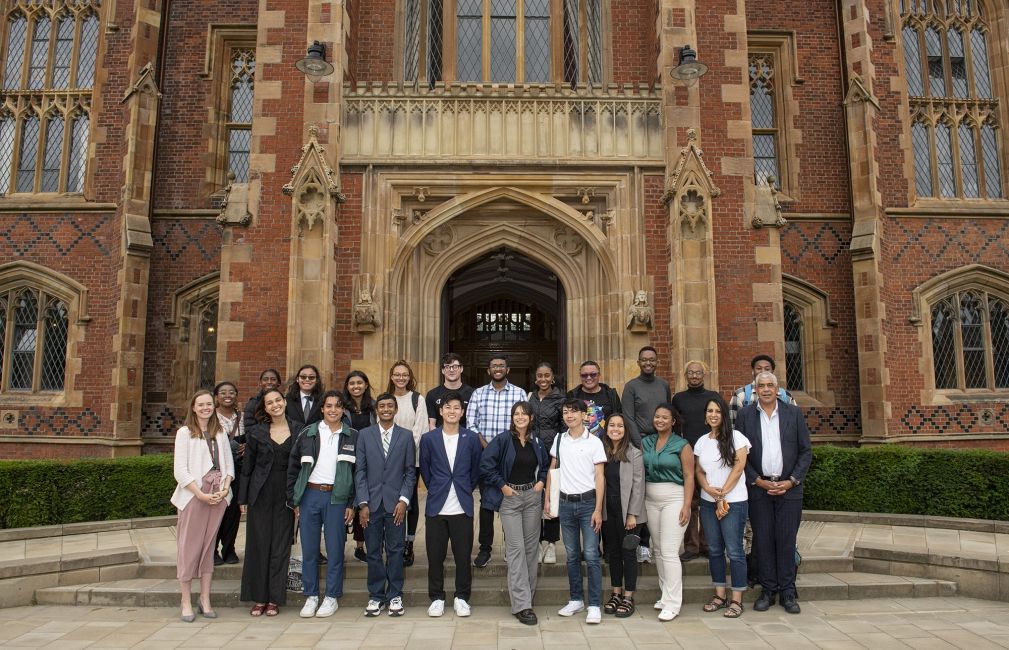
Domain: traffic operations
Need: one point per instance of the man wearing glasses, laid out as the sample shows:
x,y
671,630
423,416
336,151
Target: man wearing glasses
x,y
451,372
691,404
489,413
601,400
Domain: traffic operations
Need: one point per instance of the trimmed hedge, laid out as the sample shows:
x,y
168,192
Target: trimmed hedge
x,y
909,480
887,478
45,492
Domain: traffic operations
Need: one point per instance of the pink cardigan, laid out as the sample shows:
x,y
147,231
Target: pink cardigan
x,y
192,461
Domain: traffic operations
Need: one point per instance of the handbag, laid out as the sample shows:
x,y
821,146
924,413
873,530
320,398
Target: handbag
x,y
555,484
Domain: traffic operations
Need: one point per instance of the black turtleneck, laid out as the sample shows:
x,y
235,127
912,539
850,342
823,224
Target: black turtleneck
x,y
691,404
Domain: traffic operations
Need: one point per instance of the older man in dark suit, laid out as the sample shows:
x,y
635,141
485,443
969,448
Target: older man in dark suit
x,y
385,477
775,469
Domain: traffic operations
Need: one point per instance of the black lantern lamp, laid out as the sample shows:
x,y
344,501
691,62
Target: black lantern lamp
x,y
314,65
689,69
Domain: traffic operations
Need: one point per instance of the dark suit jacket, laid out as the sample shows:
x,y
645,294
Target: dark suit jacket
x,y
438,476
259,459
796,450
296,412
381,480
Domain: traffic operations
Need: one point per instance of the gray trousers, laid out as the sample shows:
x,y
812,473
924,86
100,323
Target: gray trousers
x,y
520,521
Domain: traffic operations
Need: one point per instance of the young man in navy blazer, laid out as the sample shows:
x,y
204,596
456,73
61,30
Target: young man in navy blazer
x,y
450,466
385,477
776,466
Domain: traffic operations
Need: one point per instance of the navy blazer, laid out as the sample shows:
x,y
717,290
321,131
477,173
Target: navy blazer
x,y
796,449
438,477
496,464
381,480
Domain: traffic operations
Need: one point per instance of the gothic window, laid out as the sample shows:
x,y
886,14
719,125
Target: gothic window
x,y
955,110
764,118
970,340
34,328
48,73
794,361
242,82
194,319
503,41
208,344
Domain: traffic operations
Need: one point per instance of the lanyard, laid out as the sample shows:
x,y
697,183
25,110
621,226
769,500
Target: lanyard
x,y
214,455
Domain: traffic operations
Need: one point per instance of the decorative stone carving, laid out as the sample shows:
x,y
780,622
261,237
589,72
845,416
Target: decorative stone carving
x,y
438,241
690,156
421,193
692,213
639,316
235,206
144,84
367,317
313,183
568,241
586,194
767,211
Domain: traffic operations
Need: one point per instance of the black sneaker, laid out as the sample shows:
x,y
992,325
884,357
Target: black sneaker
x,y
231,557
482,559
360,555
322,559
218,560
408,554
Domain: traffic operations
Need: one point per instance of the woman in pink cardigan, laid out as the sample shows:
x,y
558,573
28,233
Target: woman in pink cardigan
x,y
204,470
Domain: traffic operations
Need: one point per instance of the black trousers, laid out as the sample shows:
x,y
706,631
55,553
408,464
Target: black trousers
x,y
551,530
623,562
775,521
486,530
413,514
440,531
228,531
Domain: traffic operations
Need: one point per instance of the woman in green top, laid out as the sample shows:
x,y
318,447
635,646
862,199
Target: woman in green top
x,y
669,474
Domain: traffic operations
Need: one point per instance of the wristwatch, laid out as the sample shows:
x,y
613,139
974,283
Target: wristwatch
x,y
795,481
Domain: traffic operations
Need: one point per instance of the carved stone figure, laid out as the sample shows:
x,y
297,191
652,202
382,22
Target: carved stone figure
x,y
366,316
639,316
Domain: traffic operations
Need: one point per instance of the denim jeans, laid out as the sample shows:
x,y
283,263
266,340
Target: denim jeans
x,y
725,536
576,526
317,514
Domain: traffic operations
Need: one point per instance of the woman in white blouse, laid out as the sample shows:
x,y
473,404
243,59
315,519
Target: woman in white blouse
x,y
411,414
204,470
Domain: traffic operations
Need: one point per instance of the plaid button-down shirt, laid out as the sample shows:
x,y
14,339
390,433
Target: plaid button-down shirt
x,y
489,410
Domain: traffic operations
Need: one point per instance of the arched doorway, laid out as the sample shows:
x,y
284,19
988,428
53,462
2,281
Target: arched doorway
x,y
504,303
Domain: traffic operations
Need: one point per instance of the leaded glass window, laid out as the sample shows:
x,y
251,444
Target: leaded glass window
x,y
794,361
34,329
243,69
955,132
503,41
49,60
970,341
764,118
208,344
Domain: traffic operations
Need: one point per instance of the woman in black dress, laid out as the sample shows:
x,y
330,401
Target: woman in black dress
x,y
269,526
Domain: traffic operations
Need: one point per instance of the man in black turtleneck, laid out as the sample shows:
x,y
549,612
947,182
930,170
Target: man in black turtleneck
x,y
691,404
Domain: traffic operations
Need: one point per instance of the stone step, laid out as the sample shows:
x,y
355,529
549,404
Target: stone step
x,y
497,568
488,590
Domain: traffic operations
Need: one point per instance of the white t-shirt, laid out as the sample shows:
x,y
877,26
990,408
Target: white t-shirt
x,y
324,472
579,457
710,459
452,505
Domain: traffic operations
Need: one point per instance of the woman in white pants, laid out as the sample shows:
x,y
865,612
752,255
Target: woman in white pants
x,y
669,474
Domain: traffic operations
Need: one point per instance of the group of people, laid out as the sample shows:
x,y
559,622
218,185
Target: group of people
x,y
634,476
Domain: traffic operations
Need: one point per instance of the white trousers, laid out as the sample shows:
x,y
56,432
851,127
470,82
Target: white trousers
x,y
663,503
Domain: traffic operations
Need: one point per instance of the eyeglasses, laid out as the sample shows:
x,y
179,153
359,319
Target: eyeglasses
x,y
451,366
400,375
498,366
307,377
695,373
589,375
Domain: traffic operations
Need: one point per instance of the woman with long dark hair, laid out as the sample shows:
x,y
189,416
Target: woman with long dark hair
x,y
359,414
304,397
262,493
513,471
623,514
204,470
721,460
545,403
411,414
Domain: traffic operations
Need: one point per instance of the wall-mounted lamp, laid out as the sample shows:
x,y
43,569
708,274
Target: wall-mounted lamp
x,y
690,69
314,65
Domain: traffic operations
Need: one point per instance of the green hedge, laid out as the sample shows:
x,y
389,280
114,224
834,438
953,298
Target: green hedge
x,y
892,479
39,493
909,480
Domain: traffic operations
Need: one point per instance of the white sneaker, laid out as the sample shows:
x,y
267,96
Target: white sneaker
x,y
667,615
550,555
658,606
461,607
311,604
436,609
572,608
396,607
374,608
328,608
593,616
644,554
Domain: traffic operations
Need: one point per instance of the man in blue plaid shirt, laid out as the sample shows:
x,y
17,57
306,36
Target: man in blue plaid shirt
x,y
489,413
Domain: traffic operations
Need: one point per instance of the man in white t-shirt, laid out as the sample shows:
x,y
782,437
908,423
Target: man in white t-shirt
x,y
580,459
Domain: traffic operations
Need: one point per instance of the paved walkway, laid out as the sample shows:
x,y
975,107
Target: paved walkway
x,y
920,623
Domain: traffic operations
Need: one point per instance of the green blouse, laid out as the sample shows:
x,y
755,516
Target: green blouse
x,y
663,466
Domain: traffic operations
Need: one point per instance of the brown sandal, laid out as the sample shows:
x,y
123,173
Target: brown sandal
x,y
716,603
734,610
257,610
272,610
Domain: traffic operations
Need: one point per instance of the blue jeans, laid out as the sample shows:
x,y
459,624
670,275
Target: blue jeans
x,y
317,513
576,525
385,578
725,535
